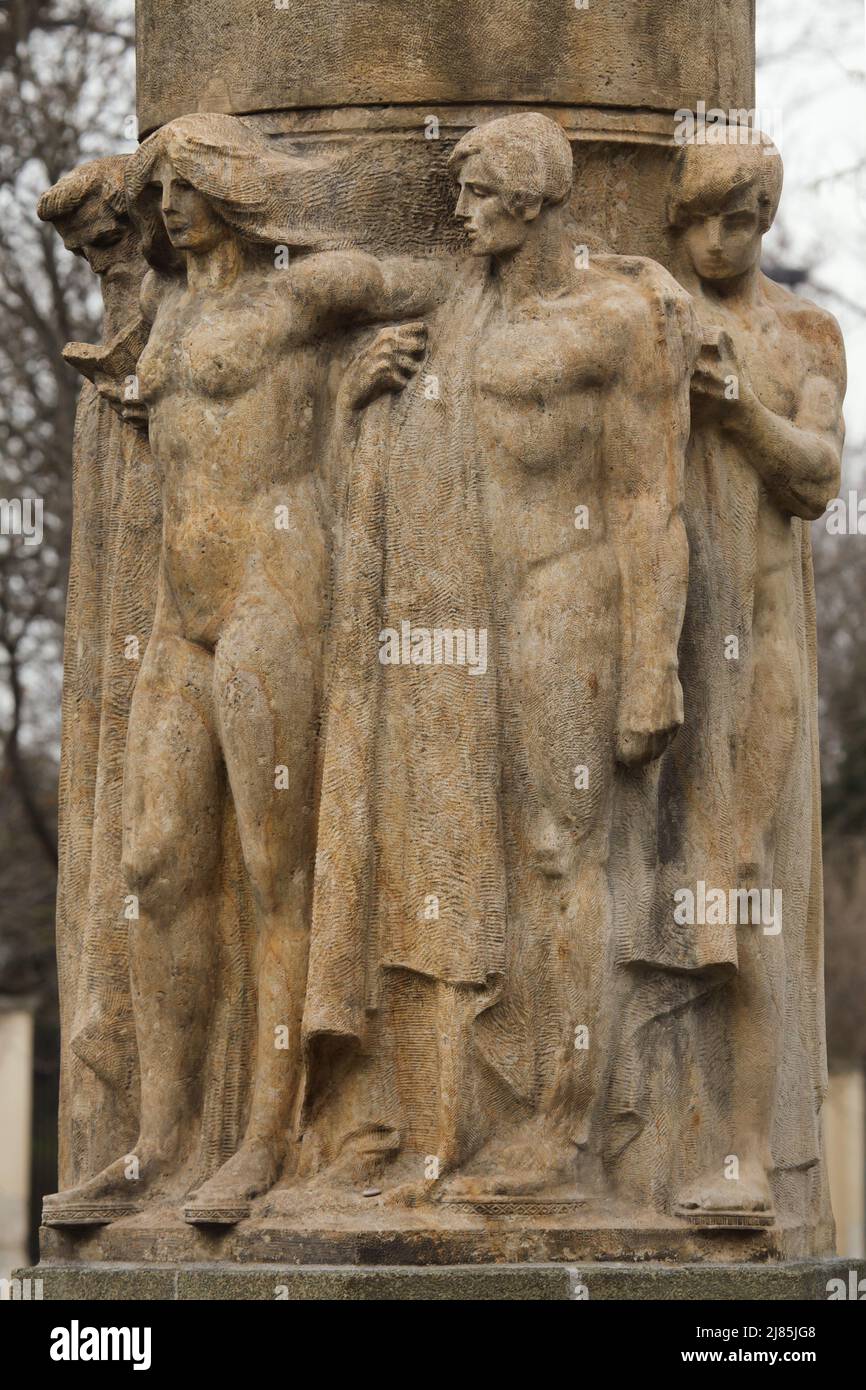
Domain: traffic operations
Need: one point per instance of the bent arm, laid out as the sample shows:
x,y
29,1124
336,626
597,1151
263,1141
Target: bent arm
x,y
799,460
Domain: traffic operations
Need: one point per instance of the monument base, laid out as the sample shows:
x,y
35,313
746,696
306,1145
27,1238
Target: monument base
x,y
794,1280
370,1232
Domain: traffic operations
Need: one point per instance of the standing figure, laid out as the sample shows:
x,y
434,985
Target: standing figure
x,y
116,523
764,460
226,707
530,492
580,390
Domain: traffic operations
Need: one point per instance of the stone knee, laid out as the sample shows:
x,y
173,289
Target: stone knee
x,y
567,829
163,870
278,881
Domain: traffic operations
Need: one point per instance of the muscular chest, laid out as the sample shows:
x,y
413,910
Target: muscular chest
x,y
535,385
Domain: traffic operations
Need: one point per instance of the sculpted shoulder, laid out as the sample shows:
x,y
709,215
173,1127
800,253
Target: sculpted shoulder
x,y
638,301
816,328
645,277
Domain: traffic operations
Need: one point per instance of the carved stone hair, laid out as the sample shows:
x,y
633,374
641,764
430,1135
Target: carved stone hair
x,y
526,157
254,187
100,178
709,177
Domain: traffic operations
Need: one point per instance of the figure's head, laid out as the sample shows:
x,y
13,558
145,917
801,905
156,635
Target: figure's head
x,y
509,171
724,199
88,209
207,177
190,218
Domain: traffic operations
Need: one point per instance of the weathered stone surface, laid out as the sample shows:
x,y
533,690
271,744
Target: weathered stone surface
x,y
117,517
806,1280
219,55
435,719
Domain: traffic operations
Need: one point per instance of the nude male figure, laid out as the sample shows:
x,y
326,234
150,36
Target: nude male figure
x,y
581,416
767,426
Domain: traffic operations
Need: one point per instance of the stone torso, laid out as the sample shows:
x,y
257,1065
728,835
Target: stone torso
x,y
542,377
777,359
233,388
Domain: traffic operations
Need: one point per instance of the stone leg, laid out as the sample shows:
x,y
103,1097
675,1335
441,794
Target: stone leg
x,y
769,738
562,698
267,694
172,799
738,1185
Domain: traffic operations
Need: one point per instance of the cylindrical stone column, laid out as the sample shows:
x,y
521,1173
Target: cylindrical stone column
x,y
386,87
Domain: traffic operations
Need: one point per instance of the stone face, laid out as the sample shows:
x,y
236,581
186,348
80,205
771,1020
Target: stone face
x,y
473,680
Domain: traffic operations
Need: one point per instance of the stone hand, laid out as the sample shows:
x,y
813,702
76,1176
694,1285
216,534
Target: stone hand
x,y
134,413
386,364
650,713
720,382
112,391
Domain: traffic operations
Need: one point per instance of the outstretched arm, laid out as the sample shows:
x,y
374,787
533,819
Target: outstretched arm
x,y
646,432
343,288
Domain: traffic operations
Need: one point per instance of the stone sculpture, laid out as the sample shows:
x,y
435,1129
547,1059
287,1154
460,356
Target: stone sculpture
x,y
227,701
113,563
473,497
765,458
482,642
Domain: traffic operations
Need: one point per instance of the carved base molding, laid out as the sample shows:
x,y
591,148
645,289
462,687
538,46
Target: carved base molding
x,y
451,1235
790,1280
86,1213
719,1219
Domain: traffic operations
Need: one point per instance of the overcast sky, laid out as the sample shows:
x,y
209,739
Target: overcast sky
x,y
812,78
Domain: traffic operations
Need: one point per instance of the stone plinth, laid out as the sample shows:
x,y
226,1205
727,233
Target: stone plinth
x,y
802,1280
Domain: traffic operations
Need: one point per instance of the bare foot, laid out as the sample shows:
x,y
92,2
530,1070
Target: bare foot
x,y
226,1197
117,1191
750,1192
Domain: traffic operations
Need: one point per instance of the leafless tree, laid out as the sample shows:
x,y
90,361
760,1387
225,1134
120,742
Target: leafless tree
x,y
65,83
